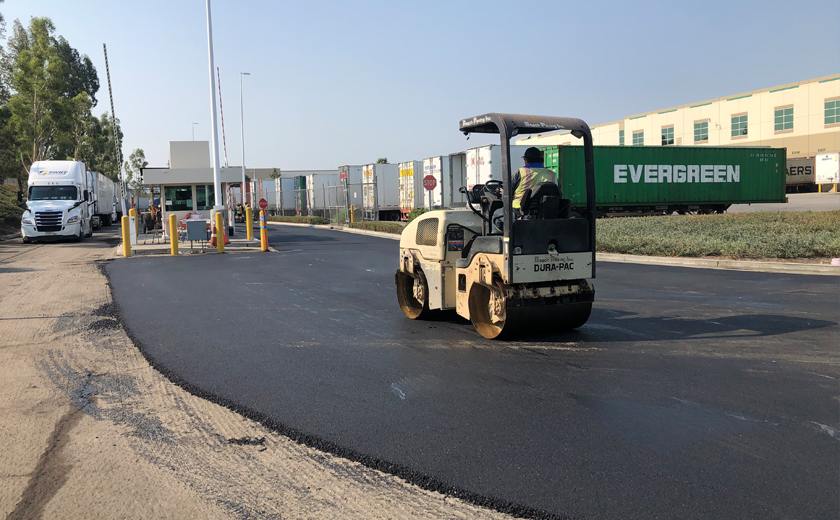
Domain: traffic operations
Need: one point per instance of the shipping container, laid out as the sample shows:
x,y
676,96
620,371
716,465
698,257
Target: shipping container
x,y
381,192
661,180
411,187
800,175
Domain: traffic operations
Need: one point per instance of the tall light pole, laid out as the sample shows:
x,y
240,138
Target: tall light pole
x,y
193,130
214,133
242,128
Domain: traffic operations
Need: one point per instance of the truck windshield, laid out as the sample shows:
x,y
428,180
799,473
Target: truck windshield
x,y
52,193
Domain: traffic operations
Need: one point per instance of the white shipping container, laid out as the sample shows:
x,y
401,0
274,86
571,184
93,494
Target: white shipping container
x,y
827,168
385,177
411,186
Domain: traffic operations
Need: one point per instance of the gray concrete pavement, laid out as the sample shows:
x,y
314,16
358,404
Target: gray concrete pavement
x,y
690,393
796,202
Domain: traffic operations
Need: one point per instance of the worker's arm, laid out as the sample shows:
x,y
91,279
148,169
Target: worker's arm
x,y
515,180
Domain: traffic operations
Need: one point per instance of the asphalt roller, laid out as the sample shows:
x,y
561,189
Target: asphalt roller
x,y
530,276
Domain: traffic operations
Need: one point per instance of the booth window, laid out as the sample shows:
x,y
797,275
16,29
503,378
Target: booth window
x,y
205,198
178,198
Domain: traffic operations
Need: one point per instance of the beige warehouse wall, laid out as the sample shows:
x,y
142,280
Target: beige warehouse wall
x,y
809,136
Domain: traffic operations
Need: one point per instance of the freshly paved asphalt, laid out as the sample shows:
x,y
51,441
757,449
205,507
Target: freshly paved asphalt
x,y
690,393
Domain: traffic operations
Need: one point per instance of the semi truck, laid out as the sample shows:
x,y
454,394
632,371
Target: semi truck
x,y
59,202
662,180
380,192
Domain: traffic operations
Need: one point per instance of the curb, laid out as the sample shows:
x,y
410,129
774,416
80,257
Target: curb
x,y
729,265
701,263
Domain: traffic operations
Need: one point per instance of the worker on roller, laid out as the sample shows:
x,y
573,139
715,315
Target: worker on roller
x,y
533,173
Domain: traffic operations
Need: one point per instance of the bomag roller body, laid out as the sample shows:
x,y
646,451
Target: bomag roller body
x,y
506,279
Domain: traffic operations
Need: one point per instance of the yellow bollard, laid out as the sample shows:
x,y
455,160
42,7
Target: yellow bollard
x,y
126,237
249,222
173,233
263,232
133,213
352,213
220,233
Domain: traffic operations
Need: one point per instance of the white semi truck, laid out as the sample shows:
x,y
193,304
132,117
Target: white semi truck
x,y
59,202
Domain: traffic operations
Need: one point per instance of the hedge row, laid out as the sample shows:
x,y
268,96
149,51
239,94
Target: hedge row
x,y
384,227
740,235
318,221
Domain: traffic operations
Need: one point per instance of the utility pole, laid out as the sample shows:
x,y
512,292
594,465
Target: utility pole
x,y
214,131
242,128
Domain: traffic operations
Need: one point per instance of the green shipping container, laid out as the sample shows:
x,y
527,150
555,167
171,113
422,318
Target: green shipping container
x,y
664,179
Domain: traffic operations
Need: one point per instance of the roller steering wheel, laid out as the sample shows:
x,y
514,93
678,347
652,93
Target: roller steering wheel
x,y
494,188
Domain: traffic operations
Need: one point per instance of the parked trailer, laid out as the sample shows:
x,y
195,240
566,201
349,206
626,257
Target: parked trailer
x,y
827,170
661,180
285,188
105,199
484,163
412,194
323,191
381,192
800,175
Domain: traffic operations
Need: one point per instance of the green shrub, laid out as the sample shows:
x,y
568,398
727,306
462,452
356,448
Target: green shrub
x,y
416,213
384,227
10,212
741,235
299,220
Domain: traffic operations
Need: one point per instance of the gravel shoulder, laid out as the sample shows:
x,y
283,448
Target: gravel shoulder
x,y
91,430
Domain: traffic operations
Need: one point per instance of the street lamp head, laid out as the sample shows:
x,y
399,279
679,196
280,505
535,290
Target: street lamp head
x,y
245,73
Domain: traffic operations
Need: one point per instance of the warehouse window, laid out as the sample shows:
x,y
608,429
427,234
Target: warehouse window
x,y
701,131
667,135
783,119
639,138
427,232
832,112
739,125
621,138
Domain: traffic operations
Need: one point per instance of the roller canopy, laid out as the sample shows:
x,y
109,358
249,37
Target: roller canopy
x,y
522,124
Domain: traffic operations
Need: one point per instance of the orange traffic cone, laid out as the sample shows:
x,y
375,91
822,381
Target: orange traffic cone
x,y
213,237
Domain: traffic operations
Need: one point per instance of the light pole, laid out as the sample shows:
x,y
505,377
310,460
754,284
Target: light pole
x,y
214,133
193,130
242,128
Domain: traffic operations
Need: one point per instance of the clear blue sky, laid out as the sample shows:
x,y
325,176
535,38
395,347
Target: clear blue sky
x,y
347,82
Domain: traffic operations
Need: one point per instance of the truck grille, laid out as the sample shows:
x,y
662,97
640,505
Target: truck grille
x,y
48,220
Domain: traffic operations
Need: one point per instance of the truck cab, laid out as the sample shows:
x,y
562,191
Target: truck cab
x,y
58,202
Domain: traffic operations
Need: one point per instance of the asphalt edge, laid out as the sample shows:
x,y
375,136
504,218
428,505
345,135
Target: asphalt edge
x,y
313,441
702,263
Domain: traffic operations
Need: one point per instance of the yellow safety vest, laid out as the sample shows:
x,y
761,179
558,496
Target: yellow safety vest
x,y
530,177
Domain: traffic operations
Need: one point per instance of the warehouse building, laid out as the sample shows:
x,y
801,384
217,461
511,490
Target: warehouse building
x,y
803,117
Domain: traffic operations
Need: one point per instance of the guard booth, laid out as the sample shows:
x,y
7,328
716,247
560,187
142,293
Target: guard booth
x,y
186,186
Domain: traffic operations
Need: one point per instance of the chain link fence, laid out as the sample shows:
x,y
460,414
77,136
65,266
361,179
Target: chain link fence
x,y
333,202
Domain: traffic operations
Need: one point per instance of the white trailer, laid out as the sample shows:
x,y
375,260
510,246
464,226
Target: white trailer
x,y
411,187
800,175
59,201
323,191
106,199
352,178
827,169
441,195
383,202
485,163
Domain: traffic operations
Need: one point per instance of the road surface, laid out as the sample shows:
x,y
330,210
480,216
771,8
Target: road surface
x,y
690,393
